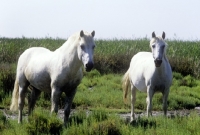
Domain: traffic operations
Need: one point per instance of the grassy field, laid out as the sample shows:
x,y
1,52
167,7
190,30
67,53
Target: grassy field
x,y
100,91
113,55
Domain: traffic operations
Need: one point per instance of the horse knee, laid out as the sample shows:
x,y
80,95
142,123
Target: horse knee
x,y
54,100
21,102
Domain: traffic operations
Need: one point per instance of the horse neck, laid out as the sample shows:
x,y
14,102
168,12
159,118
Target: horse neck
x,y
163,65
165,57
69,57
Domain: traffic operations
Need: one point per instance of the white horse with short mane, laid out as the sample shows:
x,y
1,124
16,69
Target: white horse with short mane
x,y
55,72
149,72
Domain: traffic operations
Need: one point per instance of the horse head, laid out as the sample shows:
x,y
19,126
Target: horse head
x,y
86,49
157,45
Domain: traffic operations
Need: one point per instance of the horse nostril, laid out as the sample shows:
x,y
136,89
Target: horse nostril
x,y
158,62
89,66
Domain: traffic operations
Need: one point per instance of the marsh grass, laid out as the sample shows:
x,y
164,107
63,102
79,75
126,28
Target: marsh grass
x,y
11,48
105,91
103,123
101,88
112,56
95,122
41,122
98,91
7,77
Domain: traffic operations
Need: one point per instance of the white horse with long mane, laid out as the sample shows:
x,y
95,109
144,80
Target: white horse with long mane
x,y
55,72
149,72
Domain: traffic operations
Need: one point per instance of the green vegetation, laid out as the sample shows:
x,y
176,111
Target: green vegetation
x,y
100,122
113,56
103,123
99,99
105,91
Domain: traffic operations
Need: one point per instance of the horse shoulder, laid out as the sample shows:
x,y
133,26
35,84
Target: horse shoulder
x,y
64,78
139,70
141,63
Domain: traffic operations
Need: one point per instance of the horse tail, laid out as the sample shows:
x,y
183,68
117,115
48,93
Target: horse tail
x,y
126,85
15,95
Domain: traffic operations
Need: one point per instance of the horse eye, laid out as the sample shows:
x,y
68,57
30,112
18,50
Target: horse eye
x,y
93,47
153,46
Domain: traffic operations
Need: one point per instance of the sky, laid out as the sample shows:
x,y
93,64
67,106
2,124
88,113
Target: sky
x,y
111,19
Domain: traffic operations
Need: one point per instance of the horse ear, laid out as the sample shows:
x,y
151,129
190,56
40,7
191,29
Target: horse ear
x,y
93,33
81,33
163,35
153,35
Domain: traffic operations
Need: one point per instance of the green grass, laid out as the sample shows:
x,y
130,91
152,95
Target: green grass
x,y
105,91
113,56
101,95
100,91
101,122
41,122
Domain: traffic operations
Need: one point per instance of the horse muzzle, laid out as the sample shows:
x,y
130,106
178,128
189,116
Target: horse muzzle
x,y
89,66
157,62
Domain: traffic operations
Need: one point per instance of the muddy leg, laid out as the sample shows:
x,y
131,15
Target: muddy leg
x,y
21,101
69,98
165,97
35,93
55,95
149,100
133,99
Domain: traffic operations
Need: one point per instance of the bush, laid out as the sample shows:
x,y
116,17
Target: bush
x,y
188,81
3,121
93,122
40,122
7,77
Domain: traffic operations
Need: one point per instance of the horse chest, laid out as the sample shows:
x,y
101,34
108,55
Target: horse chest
x,y
159,83
159,88
66,81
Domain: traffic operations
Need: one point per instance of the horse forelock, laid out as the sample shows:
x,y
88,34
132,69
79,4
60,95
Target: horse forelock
x,y
157,39
87,37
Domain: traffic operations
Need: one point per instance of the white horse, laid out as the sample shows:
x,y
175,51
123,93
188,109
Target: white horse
x,y
55,72
149,72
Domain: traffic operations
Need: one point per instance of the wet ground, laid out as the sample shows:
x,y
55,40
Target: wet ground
x,y
125,116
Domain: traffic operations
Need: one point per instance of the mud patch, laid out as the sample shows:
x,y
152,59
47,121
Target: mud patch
x,y
125,116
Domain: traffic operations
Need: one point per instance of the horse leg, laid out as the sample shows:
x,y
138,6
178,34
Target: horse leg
x,y
55,95
68,103
149,100
22,92
133,99
165,97
35,93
